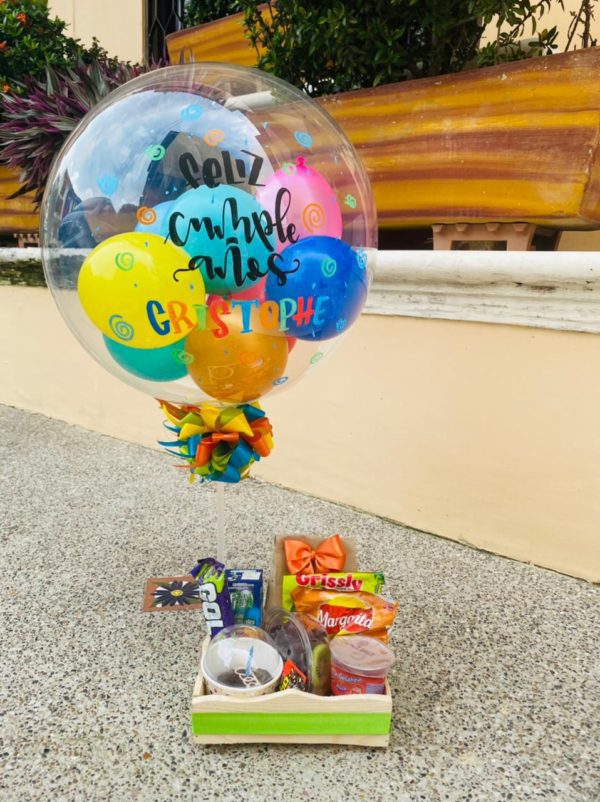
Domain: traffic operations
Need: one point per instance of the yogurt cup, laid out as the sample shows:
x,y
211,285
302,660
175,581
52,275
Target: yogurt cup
x,y
359,664
242,661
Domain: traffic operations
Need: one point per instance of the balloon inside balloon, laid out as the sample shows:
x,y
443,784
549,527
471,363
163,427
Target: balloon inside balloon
x,y
216,227
328,279
164,364
240,366
313,207
129,285
205,233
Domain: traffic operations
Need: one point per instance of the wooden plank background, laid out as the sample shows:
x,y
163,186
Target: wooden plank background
x,y
517,142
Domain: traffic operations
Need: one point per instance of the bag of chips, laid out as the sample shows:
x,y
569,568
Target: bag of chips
x,y
347,613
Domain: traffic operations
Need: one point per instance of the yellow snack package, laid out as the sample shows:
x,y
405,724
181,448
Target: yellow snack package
x,y
344,582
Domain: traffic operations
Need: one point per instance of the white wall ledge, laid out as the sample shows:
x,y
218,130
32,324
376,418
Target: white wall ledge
x,y
546,289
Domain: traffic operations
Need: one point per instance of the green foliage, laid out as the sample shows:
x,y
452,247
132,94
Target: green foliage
x,y
330,46
199,11
37,120
30,39
514,20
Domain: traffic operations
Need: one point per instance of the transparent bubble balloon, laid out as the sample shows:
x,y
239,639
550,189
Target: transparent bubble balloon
x,y
208,233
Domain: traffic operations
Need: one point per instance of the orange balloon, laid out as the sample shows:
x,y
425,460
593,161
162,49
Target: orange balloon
x,y
238,367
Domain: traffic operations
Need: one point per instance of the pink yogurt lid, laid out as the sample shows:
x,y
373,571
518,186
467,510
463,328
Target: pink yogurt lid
x,y
362,655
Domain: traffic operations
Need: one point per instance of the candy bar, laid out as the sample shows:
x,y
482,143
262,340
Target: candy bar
x,y
292,677
212,588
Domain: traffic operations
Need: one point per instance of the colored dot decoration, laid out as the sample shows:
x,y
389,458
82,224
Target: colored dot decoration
x,y
120,328
350,201
155,152
124,260
328,267
250,360
183,357
214,137
146,216
192,112
304,139
313,217
108,184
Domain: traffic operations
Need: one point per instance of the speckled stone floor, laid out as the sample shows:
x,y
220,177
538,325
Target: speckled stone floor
x,y
496,683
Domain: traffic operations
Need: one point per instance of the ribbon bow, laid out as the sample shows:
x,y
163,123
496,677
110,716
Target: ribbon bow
x,y
218,444
329,556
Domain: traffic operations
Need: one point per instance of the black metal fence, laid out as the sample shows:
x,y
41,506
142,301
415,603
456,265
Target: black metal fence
x,y
162,18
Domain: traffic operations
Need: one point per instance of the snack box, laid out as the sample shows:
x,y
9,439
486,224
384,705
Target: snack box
x,y
291,716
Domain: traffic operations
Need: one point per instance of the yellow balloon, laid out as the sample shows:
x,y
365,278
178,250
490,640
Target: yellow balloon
x,y
239,367
130,288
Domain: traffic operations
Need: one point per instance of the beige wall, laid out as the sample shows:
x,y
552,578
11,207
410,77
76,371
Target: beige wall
x,y
117,24
561,17
485,434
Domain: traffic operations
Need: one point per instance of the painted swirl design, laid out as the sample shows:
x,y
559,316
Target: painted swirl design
x,y
191,112
313,217
328,267
250,359
155,152
361,256
183,357
125,260
121,328
303,138
214,136
146,216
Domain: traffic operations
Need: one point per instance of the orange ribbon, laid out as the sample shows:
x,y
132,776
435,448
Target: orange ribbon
x,y
329,556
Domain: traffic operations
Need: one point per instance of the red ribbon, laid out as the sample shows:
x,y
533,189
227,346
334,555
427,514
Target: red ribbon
x,y
329,556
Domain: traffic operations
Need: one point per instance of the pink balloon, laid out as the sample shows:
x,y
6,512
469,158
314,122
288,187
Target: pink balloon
x,y
254,293
313,208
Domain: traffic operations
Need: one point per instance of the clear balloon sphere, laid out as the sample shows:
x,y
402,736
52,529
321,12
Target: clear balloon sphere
x,y
208,233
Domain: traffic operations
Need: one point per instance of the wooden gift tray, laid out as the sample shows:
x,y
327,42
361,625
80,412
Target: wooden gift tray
x,y
291,716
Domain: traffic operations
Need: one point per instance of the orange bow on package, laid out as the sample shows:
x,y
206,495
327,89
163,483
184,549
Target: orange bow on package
x,y
330,555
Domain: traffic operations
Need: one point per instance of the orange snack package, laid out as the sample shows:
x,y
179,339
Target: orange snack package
x,y
347,613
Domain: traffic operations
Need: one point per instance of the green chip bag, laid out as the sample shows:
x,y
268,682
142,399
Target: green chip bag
x,y
344,582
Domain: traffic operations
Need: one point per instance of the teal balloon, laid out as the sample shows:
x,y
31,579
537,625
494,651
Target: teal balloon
x,y
164,364
202,220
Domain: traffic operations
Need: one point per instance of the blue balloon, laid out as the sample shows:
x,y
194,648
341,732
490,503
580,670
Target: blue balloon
x,y
217,229
329,271
164,364
157,226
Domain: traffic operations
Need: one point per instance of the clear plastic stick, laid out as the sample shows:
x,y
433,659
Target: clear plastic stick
x,y
220,506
